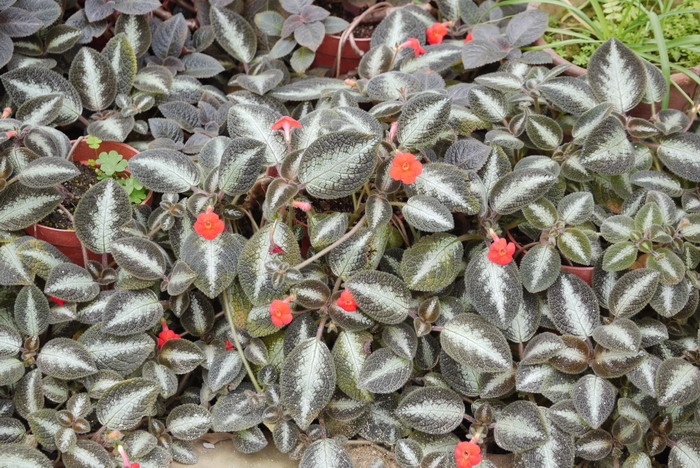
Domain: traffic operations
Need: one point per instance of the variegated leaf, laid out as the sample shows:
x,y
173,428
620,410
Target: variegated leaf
x,y
594,445
255,122
575,245
164,170
122,59
432,262
181,356
309,89
188,421
569,94
527,320
236,412
131,312
154,79
337,164
71,283
422,120
67,359
437,58
233,33
390,86
576,208
632,292
22,456
241,163
225,367
307,381
93,78
431,410
677,382
327,453
349,357
541,348
30,82
473,341
488,104
401,339
668,264
41,110
124,405
685,453
520,426
137,31
540,267
47,172
573,305
381,296
622,334
611,363
594,399
255,280
644,375
617,228
100,214
396,28
123,354
607,150
384,372
427,214
541,213
544,132
215,261
20,207
448,185
678,153
669,300
518,189
617,75
140,257
31,311
619,256
494,290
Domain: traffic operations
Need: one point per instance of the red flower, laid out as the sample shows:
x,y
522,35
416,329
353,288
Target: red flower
x,y
166,334
302,205
437,32
346,301
467,454
501,251
413,43
468,38
208,224
286,124
281,312
405,167
135,465
57,300
275,249
229,345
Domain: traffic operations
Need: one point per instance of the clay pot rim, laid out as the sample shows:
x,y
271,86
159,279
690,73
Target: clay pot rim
x,y
575,70
43,227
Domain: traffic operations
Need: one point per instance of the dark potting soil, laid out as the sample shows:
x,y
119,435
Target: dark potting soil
x,y
349,12
342,205
73,191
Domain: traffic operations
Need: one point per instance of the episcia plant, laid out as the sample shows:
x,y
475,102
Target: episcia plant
x,y
329,263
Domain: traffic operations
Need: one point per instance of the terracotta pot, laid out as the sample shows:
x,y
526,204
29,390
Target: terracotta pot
x,y
583,272
349,59
676,99
65,240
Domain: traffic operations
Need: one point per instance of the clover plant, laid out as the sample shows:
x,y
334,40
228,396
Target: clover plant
x,y
332,263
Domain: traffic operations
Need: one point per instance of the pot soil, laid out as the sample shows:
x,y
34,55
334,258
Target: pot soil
x,y
65,240
676,99
583,272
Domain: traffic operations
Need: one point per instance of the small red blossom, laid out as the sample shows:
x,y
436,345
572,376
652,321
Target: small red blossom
x,y
467,454
286,124
166,334
209,225
346,301
405,167
469,38
413,43
10,134
6,113
57,300
135,465
501,251
281,312
229,345
436,32
275,249
302,205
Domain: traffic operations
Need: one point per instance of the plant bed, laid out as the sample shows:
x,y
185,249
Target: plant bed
x,y
330,277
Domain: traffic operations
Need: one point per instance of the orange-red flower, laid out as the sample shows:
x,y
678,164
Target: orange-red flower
x,y
281,312
229,345
467,454
346,301
57,300
302,205
413,43
208,224
286,124
166,334
501,251
135,465
436,32
469,38
405,167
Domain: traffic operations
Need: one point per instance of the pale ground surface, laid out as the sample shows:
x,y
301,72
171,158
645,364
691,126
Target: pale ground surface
x,y
224,456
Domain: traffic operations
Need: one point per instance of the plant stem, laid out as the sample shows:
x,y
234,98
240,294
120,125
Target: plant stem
x,y
321,326
236,342
72,149
82,246
335,244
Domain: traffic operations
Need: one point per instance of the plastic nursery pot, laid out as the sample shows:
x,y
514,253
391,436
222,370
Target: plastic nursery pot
x,y
583,272
676,99
65,240
349,58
